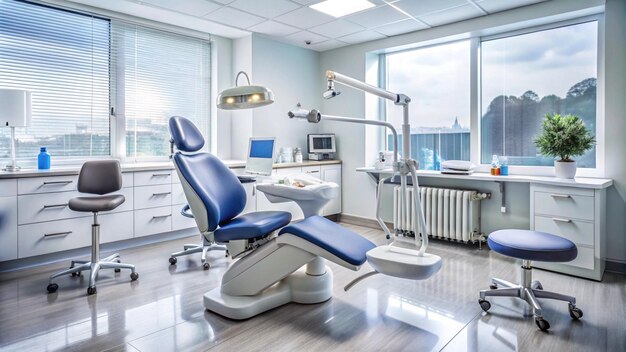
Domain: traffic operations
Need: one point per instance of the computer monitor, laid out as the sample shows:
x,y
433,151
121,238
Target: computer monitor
x,y
260,156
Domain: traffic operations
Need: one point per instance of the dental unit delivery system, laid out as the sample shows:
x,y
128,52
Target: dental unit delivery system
x,y
390,260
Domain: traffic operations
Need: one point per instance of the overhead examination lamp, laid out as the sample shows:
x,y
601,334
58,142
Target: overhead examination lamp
x,y
244,97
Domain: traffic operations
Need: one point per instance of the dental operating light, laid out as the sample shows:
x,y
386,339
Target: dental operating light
x,y
244,97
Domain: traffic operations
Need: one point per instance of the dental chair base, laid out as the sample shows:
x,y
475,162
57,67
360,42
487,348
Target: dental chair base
x,y
288,268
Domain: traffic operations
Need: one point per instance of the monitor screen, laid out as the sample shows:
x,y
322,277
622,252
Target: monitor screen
x,y
260,156
261,148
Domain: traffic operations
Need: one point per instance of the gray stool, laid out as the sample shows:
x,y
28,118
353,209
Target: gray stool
x,y
96,177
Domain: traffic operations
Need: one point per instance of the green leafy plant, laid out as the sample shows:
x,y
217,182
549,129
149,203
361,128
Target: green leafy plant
x,y
564,137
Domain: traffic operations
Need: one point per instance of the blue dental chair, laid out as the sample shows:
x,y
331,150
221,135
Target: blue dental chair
x,y
215,195
272,267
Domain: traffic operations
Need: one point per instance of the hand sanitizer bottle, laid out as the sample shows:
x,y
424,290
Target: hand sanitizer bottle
x,y
43,159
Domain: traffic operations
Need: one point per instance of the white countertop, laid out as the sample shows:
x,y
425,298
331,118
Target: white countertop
x,y
146,166
580,182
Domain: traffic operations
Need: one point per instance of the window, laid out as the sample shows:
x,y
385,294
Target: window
x,y
63,59
164,74
516,79
82,68
436,78
524,77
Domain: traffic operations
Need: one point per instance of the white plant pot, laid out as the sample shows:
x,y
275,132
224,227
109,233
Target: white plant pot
x,y
565,169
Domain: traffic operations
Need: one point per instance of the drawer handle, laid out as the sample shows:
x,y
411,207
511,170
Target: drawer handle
x,y
57,234
556,195
161,194
312,172
161,216
160,175
562,220
55,206
46,183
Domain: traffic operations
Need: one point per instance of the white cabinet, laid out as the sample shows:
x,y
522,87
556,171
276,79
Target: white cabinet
x,y
153,196
578,215
8,228
152,221
332,173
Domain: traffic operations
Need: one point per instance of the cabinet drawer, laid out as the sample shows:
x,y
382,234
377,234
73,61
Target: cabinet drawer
x,y
72,233
147,178
53,206
116,227
127,179
8,188
579,232
313,171
585,258
180,222
46,184
151,221
153,196
564,205
288,170
53,236
8,228
178,195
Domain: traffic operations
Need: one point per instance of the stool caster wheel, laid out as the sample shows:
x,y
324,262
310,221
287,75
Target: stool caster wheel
x,y
52,288
206,266
574,312
134,276
173,260
542,324
493,287
484,304
91,291
117,270
77,274
227,253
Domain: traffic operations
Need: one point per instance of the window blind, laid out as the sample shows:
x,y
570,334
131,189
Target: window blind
x,y
163,74
62,57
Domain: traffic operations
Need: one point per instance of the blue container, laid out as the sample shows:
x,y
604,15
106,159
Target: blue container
x,y
43,159
504,170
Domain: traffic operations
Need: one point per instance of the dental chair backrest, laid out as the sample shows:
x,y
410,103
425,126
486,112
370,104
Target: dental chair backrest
x,y
213,191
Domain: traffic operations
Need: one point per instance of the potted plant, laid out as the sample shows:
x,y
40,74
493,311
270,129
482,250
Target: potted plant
x,y
564,137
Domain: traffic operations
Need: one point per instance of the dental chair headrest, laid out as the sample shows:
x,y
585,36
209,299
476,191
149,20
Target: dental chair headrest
x,y
185,135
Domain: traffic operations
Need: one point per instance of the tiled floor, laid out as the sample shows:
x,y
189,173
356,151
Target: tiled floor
x,y
163,310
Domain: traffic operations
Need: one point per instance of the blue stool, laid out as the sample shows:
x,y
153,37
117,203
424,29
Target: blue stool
x,y
528,246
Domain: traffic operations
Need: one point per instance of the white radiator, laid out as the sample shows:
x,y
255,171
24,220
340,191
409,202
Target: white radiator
x,y
449,213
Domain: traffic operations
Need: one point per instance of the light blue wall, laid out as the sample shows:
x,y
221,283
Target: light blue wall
x,y
292,74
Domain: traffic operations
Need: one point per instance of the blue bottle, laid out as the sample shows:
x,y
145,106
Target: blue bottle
x,y
43,159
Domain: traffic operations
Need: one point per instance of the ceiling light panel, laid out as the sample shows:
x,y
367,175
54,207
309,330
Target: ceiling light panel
x,y
339,8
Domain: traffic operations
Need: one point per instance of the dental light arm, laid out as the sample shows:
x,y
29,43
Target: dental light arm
x,y
314,116
404,167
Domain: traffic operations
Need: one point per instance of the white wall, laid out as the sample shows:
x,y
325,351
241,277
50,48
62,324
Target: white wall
x,y
359,190
222,78
292,74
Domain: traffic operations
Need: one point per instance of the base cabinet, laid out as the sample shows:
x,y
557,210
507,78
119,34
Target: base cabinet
x,y
578,215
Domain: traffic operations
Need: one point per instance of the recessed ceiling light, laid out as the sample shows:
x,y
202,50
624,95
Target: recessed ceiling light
x,y
339,8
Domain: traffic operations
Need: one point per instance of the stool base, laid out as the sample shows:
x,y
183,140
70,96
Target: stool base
x,y
528,291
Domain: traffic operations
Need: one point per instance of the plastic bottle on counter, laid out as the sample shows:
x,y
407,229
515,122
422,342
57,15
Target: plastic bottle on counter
x,y
495,165
43,159
298,155
504,166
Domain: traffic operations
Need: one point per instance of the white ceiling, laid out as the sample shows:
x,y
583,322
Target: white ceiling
x,y
292,21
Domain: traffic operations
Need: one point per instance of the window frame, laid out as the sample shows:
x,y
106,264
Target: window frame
x,y
117,119
476,94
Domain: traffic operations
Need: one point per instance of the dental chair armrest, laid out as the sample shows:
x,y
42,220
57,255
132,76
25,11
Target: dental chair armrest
x,y
186,211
